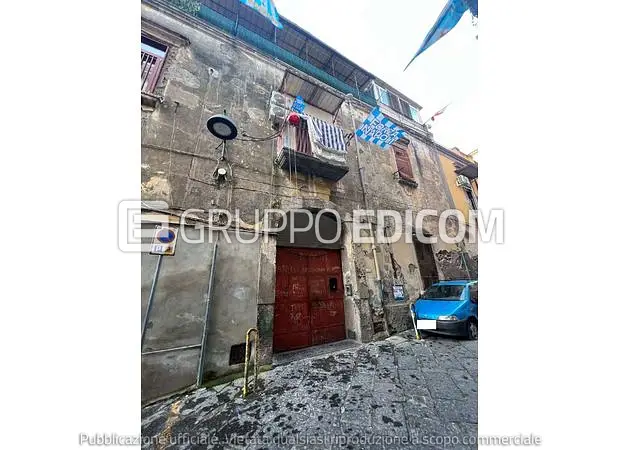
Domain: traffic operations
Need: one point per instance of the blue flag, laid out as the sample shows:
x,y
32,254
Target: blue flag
x,y
298,105
449,17
265,8
473,7
379,130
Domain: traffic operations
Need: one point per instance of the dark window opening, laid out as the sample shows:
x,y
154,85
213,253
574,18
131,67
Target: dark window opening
x,y
394,101
378,327
154,44
237,354
404,108
426,263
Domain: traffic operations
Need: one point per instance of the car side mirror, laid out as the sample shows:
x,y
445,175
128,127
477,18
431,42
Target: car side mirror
x,y
421,293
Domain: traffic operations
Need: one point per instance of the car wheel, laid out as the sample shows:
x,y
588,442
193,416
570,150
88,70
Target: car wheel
x,y
472,330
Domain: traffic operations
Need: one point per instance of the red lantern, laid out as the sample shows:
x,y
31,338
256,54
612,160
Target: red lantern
x,y
294,119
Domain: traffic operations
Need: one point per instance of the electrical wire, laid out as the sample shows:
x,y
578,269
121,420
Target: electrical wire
x,y
250,138
255,139
378,198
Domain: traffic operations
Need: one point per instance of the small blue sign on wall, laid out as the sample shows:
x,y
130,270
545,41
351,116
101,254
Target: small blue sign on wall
x,y
298,105
399,292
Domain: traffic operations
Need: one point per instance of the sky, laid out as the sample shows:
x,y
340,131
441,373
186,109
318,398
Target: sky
x,y
383,35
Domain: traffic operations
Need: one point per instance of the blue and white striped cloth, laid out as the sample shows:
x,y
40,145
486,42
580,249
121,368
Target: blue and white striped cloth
x,y
328,135
379,130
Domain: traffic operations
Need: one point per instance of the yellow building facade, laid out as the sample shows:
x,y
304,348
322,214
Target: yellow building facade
x,y
461,174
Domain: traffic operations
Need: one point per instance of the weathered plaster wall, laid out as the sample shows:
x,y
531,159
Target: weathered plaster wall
x,y
234,297
458,195
450,261
214,74
177,316
179,304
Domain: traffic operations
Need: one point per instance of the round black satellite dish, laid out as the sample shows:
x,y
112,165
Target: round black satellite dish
x,y
222,127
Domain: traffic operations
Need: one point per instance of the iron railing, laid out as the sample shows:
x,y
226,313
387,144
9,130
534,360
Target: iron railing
x,y
151,66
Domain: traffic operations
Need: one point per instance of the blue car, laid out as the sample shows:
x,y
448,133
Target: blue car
x,y
449,307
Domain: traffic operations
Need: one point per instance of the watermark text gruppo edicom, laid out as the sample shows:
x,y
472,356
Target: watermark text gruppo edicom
x,y
301,439
366,226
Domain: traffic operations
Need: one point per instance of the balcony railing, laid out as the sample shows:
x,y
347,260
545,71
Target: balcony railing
x,y
297,155
399,117
151,66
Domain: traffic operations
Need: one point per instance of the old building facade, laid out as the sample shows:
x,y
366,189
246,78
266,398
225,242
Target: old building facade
x,y
461,175
229,60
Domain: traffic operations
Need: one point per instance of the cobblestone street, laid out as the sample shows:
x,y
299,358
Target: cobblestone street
x,y
396,393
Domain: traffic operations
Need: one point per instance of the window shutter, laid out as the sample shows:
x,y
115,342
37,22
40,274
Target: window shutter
x,y
402,161
394,101
405,108
302,138
152,55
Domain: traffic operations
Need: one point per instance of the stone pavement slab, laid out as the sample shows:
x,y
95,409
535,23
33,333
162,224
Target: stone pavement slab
x,y
391,394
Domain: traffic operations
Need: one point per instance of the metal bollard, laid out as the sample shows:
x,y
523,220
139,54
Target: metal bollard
x,y
247,358
415,327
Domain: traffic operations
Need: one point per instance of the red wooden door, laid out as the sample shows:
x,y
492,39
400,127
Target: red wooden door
x,y
309,308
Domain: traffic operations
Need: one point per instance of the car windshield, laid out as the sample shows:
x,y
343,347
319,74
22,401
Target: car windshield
x,y
444,292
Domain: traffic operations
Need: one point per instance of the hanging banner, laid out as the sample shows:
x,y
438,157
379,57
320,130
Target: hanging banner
x,y
379,130
266,8
449,17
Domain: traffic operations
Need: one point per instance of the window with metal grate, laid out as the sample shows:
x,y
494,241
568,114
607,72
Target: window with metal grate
x,y
153,54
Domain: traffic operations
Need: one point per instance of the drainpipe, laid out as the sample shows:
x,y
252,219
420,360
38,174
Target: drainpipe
x,y
461,251
205,329
361,171
149,305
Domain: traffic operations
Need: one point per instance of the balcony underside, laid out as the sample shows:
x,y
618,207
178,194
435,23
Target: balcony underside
x,y
470,171
289,159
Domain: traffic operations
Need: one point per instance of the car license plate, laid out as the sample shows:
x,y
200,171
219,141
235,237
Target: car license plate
x,y
427,324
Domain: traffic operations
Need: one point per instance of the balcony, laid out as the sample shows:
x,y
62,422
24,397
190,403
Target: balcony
x,y
401,119
295,153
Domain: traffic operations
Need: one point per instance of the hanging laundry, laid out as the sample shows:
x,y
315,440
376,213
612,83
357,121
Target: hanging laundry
x,y
327,135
